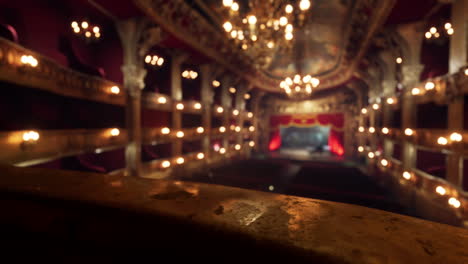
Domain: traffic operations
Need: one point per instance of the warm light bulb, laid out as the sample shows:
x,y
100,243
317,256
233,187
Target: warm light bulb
x,y
450,31
251,128
246,96
197,106
235,7
228,3
74,24
429,86
315,82
84,24
406,175
200,156
30,136
165,164
409,132
193,74
160,61
115,132
200,130
371,155
385,130
222,150
289,9
289,28
252,20
249,114
96,29
162,100
76,30
270,44
456,137
148,59
222,129
165,130
416,91
384,162
399,60
180,160
232,90
235,112
360,149
454,202
252,144
288,36
372,130
237,147
180,134
466,72
361,129
442,141
115,90
283,21
216,83
428,35
433,30
390,101
304,5
375,106
364,111
88,34
219,109
180,106
441,190
447,26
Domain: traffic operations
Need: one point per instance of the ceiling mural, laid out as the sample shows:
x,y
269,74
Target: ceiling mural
x,y
319,44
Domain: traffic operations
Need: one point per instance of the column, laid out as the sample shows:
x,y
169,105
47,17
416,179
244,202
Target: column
x,y
207,76
459,40
177,59
130,32
226,103
240,106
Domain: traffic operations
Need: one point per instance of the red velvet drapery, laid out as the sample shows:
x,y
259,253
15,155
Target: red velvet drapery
x,y
335,121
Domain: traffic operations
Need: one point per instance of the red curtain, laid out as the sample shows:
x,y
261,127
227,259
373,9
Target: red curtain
x,y
335,121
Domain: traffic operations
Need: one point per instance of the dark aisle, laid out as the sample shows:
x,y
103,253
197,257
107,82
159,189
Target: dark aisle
x,y
319,180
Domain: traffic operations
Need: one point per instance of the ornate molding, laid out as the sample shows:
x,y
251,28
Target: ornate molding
x,y
50,76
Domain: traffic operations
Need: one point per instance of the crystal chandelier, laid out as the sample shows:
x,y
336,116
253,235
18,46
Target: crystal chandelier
x,y
264,27
299,87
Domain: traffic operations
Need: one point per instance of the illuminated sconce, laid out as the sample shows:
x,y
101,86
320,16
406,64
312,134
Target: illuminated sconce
x,y
86,30
364,111
197,106
454,202
189,74
29,60
180,134
232,90
399,60
252,144
165,130
200,156
222,129
391,100
246,96
165,164
456,137
200,130
384,162
216,83
115,132
249,114
162,100
237,147
407,175
409,132
219,109
371,155
154,60
416,91
251,128
375,106
360,149
372,130
30,136
222,150
180,106
441,190
442,141
466,72
385,131
180,160
238,129
115,90
429,86
235,112
232,127
361,129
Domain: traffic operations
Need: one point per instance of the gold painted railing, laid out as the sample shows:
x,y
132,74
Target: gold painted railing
x,y
48,75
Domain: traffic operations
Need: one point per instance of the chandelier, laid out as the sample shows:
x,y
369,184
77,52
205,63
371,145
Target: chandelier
x,y
299,87
264,27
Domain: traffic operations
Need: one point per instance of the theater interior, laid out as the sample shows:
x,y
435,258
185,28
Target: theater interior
x,y
297,131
